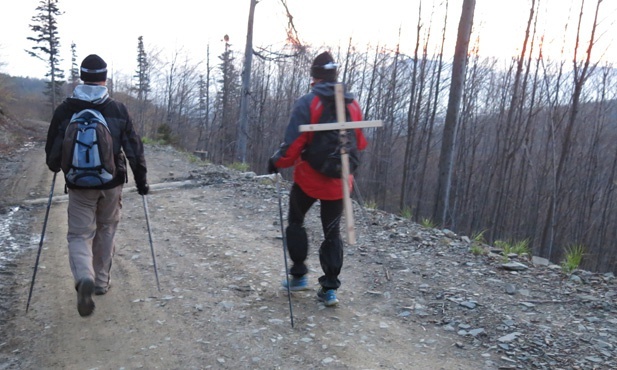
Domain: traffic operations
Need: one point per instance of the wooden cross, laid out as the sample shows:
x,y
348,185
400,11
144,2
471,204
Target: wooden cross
x,y
342,125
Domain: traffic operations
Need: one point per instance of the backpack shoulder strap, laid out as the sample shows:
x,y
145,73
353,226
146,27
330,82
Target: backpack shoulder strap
x,y
351,105
316,109
355,113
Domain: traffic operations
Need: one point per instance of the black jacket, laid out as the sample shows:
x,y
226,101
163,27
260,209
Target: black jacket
x,y
127,143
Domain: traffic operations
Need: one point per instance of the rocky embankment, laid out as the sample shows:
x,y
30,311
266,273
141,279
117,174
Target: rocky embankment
x,y
410,294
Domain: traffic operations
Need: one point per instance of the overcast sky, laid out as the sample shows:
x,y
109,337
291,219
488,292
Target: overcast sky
x,y
110,28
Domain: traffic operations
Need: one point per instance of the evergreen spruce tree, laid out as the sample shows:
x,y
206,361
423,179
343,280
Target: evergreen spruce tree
x,y
141,86
74,71
228,98
142,75
47,46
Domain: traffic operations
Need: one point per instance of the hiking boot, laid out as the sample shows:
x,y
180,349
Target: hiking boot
x,y
85,304
296,283
328,297
99,290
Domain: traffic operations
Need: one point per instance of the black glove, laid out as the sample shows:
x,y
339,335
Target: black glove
x,y
143,188
271,167
53,168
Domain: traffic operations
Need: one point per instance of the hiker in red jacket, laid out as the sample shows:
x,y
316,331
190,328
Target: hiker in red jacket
x,y
310,185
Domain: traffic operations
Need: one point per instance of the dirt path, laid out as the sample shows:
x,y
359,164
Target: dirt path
x,y
220,306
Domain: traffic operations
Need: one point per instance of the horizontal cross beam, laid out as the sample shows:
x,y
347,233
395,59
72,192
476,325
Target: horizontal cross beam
x,y
340,126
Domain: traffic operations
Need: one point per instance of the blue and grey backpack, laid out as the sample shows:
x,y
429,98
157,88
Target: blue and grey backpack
x,y
87,150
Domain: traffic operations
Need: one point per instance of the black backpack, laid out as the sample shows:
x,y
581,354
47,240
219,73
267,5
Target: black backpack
x,y
323,152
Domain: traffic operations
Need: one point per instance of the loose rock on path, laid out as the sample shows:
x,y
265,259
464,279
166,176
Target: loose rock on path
x,y
412,297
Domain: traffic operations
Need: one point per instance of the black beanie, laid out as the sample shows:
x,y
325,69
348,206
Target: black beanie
x,y
324,68
93,69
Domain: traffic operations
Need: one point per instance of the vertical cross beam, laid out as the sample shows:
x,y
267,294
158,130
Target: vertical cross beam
x,y
340,117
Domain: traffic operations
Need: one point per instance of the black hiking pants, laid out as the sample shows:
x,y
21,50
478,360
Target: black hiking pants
x,y
331,249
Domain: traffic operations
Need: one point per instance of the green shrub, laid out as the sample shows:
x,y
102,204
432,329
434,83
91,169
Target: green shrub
x,y
265,182
521,247
477,250
371,204
193,158
503,245
164,134
406,213
428,223
479,237
149,141
239,166
506,249
518,248
573,258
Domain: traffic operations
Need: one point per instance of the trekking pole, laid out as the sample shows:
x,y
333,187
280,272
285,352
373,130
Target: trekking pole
x,y
38,254
156,274
278,192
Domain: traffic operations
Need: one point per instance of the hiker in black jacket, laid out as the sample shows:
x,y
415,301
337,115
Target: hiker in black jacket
x,y
94,212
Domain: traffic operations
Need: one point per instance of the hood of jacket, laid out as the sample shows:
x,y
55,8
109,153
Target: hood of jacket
x,y
88,96
326,89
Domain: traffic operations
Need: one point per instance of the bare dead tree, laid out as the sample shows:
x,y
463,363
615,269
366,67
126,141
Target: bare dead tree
x,y
411,116
432,113
509,139
459,65
581,74
246,83
203,140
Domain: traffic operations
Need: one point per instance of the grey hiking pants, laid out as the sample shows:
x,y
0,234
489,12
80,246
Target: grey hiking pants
x,y
93,219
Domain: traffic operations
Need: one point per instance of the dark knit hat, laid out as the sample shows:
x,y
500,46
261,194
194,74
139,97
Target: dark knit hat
x,y
324,68
93,69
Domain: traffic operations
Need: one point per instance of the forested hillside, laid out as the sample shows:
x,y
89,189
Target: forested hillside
x,y
534,161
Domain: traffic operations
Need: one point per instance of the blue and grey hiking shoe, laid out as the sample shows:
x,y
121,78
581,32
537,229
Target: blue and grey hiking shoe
x,y
296,283
328,297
